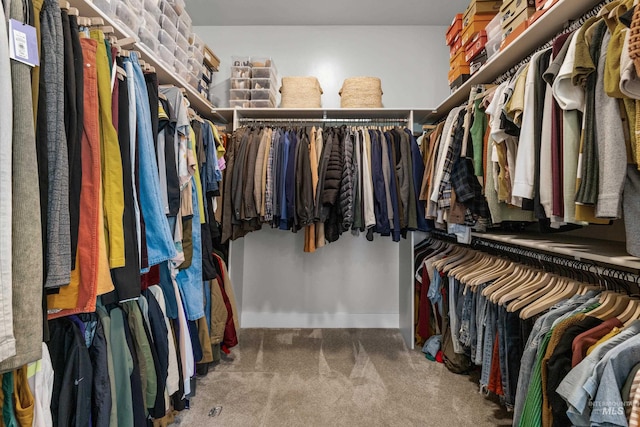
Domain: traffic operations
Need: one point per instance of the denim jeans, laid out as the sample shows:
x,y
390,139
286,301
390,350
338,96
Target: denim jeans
x,y
481,314
489,324
465,319
190,279
454,323
160,245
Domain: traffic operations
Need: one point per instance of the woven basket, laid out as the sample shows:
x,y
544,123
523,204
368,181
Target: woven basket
x,y
301,92
361,92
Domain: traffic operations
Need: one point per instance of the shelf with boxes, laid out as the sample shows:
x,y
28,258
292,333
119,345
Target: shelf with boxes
x,y
535,26
161,35
254,83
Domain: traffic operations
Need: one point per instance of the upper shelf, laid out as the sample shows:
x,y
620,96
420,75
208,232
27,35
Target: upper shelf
x,y
540,32
579,248
166,74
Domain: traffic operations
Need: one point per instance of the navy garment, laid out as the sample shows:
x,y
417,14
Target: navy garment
x,y
393,189
158,408
418,173
379,194
98,353
290,184
284,166
168,291
73,375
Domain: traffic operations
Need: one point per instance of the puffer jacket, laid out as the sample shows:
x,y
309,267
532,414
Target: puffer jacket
x,y
346,185
333,176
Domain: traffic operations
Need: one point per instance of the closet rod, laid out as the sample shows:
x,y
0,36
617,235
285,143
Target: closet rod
x,y
570,27
382,121
590,267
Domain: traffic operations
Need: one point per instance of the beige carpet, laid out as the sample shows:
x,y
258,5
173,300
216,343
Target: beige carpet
x,y
336,377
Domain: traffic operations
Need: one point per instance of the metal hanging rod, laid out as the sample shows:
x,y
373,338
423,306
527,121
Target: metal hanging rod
x,y
363,121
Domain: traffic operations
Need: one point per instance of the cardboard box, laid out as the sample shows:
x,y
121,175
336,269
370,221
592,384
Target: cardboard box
x,y
458,60
477,24
454,30
476,46
455,47
459,81
513,8
491,7
514,23
509,38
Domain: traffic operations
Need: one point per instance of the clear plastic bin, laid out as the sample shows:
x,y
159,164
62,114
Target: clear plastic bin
x,y
263,94
262,62
263,104
263,73
181,56
148,39
494,26
237,94
193,80
182,42
128,17
195,67
240,104
184,28
240,61
107,6
167,41
196,54
181,69
178,6
169,27
240,83
241,72
196,43
151,23
165,54
493,46
264,84
169,12
152,4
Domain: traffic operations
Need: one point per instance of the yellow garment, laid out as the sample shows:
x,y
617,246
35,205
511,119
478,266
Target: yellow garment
x,y
112,181
310,230
220,150
23,398
515,106
192,146
105,283
614,49
613,333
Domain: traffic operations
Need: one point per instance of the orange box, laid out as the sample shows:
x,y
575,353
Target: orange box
x,y
454,30
514,34
454,74
475,47
458,60
477,24
455,47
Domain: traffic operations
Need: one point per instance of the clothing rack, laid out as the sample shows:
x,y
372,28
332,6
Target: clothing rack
x,y
362,122
542,259
572,26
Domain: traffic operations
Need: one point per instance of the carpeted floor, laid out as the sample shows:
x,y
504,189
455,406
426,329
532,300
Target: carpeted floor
x,y
336,377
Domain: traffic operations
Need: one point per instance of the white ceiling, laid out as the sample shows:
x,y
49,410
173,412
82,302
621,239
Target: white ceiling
x,y
324,12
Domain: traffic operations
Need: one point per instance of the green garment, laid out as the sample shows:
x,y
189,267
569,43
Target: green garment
x,y
8,415
478,129
532,411
143,349
122,367
583,66
106,326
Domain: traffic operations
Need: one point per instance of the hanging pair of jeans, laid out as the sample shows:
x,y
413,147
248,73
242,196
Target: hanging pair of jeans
x,y
160,245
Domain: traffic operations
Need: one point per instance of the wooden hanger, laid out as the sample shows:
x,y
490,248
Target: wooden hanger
x,y
64,5
526,299
120,72
73,11
107,29
162,96
532,310
96,22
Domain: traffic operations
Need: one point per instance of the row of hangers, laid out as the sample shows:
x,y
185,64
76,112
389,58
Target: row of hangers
x,y
532,289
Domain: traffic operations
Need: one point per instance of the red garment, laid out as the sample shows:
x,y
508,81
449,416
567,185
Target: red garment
x,y
151,278
424,307
582,342
495,378
230,336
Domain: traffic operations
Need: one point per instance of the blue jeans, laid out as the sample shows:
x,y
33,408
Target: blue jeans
x,y
160,245
190,279
489,324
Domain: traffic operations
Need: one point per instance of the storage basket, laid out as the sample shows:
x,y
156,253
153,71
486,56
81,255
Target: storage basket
x,y
301,92
361,92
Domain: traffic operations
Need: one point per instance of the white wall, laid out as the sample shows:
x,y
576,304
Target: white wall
x,y
412,61
352,282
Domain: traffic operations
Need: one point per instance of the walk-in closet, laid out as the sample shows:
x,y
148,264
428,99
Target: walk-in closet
x,y
290,213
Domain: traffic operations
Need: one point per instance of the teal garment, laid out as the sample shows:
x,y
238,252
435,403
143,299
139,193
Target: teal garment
x,y
8,413
106,326
122,367
477,131
532,412
143,350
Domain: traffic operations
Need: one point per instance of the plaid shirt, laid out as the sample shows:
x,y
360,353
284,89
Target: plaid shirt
x,y
268,202
453,154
